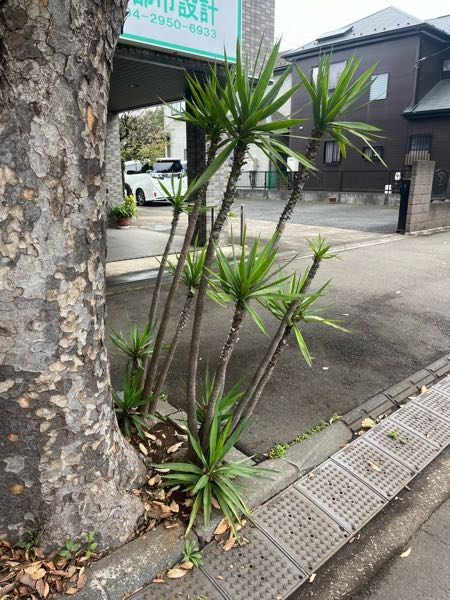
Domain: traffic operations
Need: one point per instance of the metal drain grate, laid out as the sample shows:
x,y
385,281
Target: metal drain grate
x,y
256,571
302,529
376,468
425,423
347,499
443,386
193,585
401,443
436,401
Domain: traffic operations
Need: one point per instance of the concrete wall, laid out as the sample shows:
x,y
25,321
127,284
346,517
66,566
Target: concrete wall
x,y
424,215
371,198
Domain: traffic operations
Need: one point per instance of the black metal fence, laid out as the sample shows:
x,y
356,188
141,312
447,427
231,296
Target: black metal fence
x,y
329,181
441,185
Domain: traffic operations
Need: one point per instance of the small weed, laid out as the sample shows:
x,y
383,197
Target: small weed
x,y
192,553
70,550
396,437
29,542
279,451
90,544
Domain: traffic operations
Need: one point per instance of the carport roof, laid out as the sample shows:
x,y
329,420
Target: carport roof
x,y
142,77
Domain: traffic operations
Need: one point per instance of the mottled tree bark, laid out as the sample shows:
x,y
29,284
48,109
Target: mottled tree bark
x,y
64,467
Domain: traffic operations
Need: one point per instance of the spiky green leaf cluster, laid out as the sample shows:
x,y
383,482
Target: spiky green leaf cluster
x,y
137,346
224,404
329,105
213,478
192,268
250,276
128,405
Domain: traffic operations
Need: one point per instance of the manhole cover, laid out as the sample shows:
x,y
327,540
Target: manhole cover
x,y
301,528
347,499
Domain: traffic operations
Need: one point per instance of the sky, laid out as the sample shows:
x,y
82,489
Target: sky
x,y
302,21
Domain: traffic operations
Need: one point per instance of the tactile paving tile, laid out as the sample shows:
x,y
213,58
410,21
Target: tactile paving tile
x,y
376,468
407,447
304,531
347,499
195,585
256,571
425,423
436,401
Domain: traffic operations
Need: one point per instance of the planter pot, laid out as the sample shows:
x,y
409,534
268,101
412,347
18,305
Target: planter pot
x,y
123,222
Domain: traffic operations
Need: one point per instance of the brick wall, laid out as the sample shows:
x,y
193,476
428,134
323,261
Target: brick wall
x,y
423,214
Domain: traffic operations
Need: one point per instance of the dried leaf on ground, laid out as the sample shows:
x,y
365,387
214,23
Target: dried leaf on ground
x,y
174,448
150,436
368,423
187,565
406,553
229,543
423,389
176,573
143,449
221,527
155,480
312,578
375,467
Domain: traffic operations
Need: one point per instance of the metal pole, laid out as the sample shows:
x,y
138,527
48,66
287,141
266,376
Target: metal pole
x,y
242,224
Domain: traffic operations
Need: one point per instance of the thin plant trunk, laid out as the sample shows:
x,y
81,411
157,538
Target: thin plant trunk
x,y
154,361
162,265
227,202
182,322
221,370
301,178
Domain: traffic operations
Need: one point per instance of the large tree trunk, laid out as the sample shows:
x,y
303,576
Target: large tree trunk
x,y
64,467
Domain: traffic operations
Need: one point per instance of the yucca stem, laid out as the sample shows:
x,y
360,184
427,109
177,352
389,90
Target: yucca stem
x,y
162,265
221,370
227,202
199,200
182,322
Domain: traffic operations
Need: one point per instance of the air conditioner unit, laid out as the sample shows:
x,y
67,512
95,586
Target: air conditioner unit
x,y
413,155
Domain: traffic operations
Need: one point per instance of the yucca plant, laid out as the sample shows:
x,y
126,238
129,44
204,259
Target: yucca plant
x,y
137,346
129,405
211,481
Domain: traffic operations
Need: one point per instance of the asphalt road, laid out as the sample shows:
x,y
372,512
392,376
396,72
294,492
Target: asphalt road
x,y
375,218
394,297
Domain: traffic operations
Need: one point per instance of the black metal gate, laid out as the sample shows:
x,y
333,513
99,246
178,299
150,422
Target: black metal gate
x,y
403,190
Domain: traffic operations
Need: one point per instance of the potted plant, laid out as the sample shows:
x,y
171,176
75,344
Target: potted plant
x,y
125,212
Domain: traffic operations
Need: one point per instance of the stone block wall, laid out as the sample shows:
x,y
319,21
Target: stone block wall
x,y
423,214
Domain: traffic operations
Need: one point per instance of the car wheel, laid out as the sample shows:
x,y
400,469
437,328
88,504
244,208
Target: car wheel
x,y
140,197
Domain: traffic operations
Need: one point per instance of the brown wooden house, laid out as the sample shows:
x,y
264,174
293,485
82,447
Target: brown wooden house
x,y
409,98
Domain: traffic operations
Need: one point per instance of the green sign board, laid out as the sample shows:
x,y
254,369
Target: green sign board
x,y
206,28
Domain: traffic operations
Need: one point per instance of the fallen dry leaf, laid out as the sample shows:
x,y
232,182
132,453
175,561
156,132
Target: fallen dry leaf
x,y
423,389
375,467
150,436
368,423
214,503
155,480
143,449
176,573
174,507
311,475
406,553
312,578
187,565
221,527
174,448
158,580
229,543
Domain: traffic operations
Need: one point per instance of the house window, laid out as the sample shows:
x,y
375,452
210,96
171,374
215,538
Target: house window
x,y
420,141
335,72
378,87
446,65
332,153
374,153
